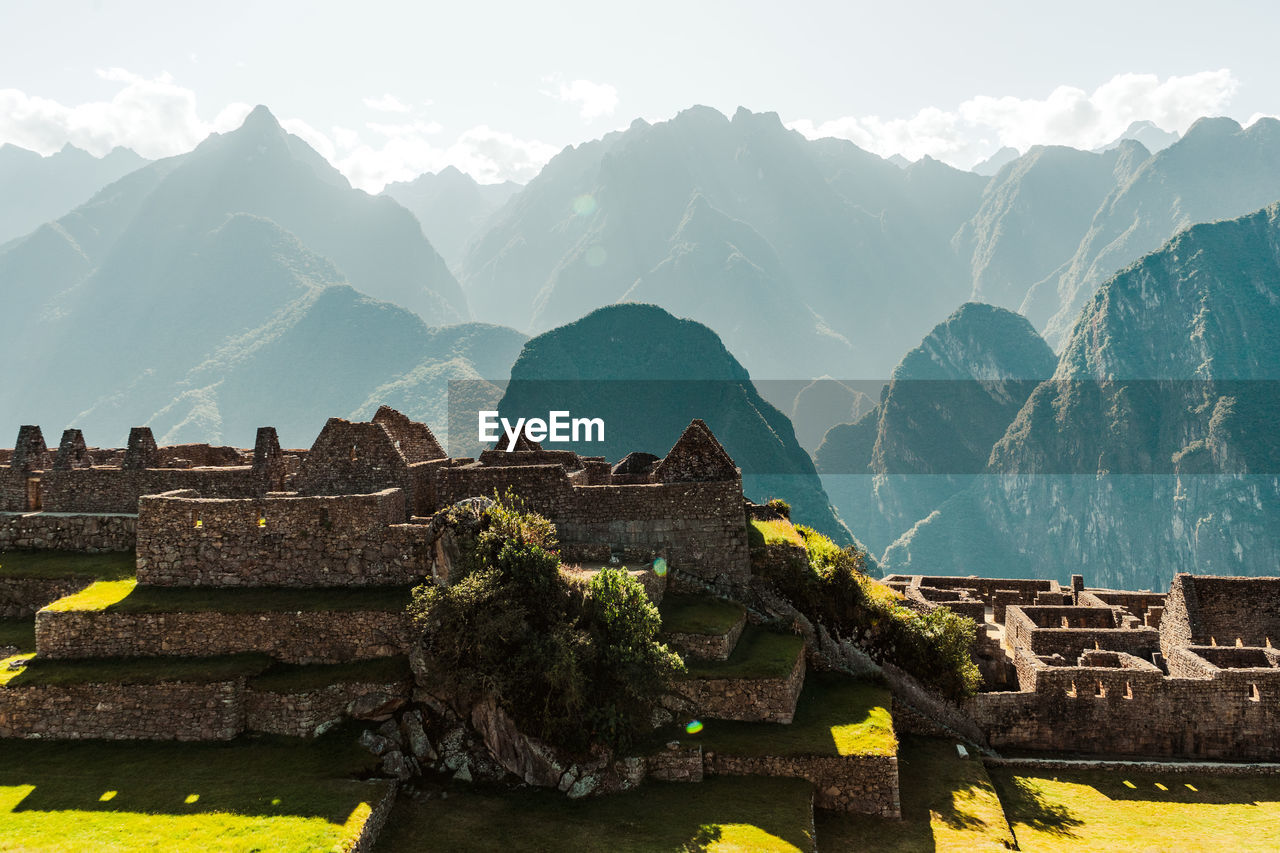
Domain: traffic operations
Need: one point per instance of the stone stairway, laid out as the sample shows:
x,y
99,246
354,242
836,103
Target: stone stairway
x,y
753,710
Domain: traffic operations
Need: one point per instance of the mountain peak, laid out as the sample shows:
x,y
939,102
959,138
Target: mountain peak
x,y
260,116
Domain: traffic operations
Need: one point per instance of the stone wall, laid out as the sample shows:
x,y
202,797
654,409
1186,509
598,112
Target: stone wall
x,y
279,540
302,637
355,458
172,711
698,526
1229,609
1023,630
675,763
1135,604
117,490
770,700
299,714
1234,714
20,598
707,646
867,784
89,533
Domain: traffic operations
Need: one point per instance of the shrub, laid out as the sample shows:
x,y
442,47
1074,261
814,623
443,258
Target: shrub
x,y
779,506
573,664
834,590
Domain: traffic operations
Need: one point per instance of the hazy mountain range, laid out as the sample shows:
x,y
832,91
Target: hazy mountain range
x,y
35,189
246,282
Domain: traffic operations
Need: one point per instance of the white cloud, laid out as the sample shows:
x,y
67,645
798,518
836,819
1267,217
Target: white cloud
x,y
1067,116
594,99
153,116
387,103
158,118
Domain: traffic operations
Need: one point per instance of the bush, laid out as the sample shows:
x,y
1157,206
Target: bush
x,y
779,506
573,664
834,590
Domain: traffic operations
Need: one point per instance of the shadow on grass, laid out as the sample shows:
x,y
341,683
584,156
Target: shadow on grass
x,y
655,816
258,776
1025,803
1190,789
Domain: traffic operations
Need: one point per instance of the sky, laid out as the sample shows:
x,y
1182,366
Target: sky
x,y
389,90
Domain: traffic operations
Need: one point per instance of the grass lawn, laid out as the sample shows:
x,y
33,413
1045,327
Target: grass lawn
x,y
760,653
61,564
699,614
46,671
18,632
720,814
836,716
262,793
948,803
263,672
777,531
295,678
126,596
1117,810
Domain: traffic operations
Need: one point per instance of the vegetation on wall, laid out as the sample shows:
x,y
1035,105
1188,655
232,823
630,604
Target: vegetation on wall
x,y
574,663
832,588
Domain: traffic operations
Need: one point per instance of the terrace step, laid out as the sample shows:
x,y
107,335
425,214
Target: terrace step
x,y
841,740
761,680
211,698
702,627
318,626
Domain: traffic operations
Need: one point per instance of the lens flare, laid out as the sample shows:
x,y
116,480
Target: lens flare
x,y
584,205
659,566
693,727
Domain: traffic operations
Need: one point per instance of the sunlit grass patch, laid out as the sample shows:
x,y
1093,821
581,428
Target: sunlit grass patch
x,y
128,597
1122,810
948,803
775,532
253,794
836,716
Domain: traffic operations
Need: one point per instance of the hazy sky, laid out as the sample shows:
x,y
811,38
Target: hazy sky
x,y
388,90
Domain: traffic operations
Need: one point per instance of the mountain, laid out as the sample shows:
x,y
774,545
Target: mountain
x,y
949,400
1033,215
451,207
1218,170
705,214
647,374
821,404
204,259
1152,136
1151,450
35,189
996,161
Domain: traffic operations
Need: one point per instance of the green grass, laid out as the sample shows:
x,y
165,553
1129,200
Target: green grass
x,y
760,653
261,793
948,803
1118,810
46,671
836,716
61,564
18,632
779,531
721,814
263,672
699,614
296,678
127,597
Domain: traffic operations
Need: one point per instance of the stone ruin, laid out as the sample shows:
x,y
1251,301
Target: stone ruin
x,y
1189,673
